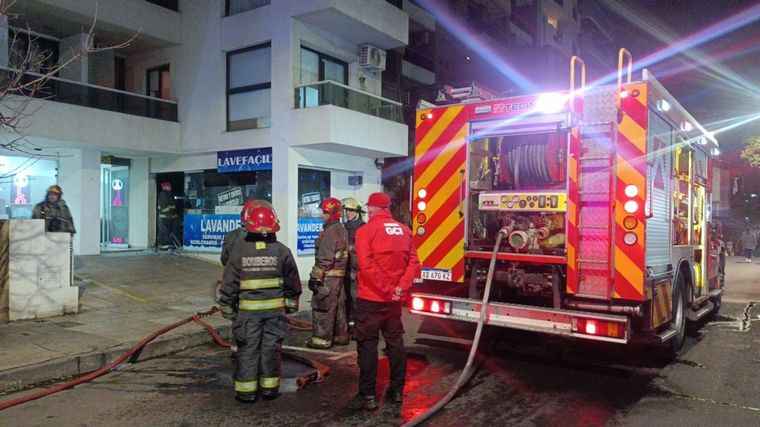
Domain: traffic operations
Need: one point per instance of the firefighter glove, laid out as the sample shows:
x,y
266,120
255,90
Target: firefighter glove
x,y
228,312
314,285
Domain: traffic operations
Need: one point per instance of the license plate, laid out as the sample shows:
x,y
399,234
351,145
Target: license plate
x,y
436,274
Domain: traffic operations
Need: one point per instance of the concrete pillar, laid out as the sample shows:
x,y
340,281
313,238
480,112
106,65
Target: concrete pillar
x,y
79,175
4,41
139,196
78,70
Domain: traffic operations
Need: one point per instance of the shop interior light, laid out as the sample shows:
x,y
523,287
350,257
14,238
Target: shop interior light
x,y
421,206
631,206
631,190
551,103
421,193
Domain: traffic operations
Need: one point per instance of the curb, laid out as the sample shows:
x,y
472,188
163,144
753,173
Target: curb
x,y
80,364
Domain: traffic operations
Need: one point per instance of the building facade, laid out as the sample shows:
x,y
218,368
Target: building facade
x,y
225,99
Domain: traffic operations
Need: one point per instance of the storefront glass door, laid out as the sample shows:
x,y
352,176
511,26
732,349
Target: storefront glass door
x,y
114,209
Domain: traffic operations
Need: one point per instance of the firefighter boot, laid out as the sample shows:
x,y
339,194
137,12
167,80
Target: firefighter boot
x,y
269,394
393,396
246,397
340,340
319,343
363,402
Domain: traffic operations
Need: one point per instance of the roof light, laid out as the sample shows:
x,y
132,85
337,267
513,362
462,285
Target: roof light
x,y
715,152
686,126
631,206
417,303
631,190
421,193
662,105
550,103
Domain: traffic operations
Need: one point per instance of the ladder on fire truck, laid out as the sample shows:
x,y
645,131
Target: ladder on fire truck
x,y
596,157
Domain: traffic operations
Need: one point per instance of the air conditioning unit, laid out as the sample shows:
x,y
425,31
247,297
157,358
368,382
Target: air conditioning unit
x,y
371,57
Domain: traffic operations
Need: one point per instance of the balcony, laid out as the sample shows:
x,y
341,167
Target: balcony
x,y
333,93
86,95
336,118
360,21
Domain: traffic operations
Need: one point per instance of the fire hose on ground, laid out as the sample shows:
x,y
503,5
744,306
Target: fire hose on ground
x,y
133,353
466,373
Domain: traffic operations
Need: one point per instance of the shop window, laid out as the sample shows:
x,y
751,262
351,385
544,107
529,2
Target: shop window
x,y
212,192
313,187
23,183
249,83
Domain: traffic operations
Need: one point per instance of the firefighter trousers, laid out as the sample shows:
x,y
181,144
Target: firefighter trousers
x,y
370,318
165,230
258,357
329,314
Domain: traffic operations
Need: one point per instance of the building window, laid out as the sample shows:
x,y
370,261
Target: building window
x,y
159,82
234,7
318,67
169,4
249,88
31,52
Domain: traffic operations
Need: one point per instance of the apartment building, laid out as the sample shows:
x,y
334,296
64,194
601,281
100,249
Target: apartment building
x,y
227,99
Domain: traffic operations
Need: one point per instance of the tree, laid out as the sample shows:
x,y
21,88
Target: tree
x,y
28,76
751,151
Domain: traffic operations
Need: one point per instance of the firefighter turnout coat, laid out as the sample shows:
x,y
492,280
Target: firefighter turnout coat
x,y
328,302
56,215
259,281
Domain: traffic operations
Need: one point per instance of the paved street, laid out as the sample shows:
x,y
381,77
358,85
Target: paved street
x,y
523,379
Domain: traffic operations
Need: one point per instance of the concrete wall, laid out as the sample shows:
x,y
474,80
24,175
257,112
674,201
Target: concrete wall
x,y
79,176
140,215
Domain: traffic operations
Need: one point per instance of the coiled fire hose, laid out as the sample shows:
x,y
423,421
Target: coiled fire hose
x,y
133,353
466,373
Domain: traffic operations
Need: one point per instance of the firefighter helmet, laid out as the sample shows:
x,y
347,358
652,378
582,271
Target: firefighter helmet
x,y
331,206
166,184
260,217
351,204
55,189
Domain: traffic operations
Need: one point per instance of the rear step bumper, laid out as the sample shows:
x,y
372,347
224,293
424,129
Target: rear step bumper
x,y
529,318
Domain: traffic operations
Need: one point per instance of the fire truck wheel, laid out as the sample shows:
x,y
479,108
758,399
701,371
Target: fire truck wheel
x,y
677,317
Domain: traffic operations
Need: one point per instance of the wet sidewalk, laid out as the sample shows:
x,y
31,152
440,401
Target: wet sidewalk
x,y
123,298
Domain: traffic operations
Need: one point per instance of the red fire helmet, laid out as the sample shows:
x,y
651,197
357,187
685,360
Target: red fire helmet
x,y
260,217
331,206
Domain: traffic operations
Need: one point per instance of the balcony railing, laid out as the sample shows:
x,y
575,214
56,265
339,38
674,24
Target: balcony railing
x,y
92,96
340,95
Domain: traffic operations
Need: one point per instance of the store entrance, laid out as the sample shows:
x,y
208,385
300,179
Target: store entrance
x,y
114,204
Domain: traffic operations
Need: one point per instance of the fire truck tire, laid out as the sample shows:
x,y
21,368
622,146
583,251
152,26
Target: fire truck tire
x,y
677,315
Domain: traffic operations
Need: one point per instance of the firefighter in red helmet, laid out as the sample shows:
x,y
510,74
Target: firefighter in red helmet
x,y
259,285
326,280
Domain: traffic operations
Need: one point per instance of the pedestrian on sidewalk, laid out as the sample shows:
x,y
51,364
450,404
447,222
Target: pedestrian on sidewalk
x,y
167,214
749,243
326,280
352,221
259,285
54,211
387,265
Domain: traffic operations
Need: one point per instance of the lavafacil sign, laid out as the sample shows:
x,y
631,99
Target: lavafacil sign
x,y
255,159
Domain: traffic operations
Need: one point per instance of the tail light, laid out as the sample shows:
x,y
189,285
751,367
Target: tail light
x,y
600,328
431,305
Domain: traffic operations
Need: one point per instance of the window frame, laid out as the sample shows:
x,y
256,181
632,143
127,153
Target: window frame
x,y
322,56
248,88
159,69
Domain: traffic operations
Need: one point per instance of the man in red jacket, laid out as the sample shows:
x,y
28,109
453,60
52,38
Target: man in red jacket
x,y
387,265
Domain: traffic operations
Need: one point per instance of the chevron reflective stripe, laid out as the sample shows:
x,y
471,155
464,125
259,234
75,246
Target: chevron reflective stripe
x,y
270,382
261,283
321,342
631,169
266,304
573,202
246,386
335,273
341,254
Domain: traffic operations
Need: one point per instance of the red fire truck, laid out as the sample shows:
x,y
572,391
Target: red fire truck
x,y
602,195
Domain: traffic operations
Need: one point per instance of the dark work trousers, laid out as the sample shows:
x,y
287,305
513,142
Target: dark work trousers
x,y
369,319
350,290
258,358
329,313
165,229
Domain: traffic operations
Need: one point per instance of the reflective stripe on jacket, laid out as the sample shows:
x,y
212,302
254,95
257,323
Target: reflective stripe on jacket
x,y
331,254
260,275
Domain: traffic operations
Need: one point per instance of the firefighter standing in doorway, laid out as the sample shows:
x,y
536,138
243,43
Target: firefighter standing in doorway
x,y
388,263
167,214
54,211
326,280
260,284
353,220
